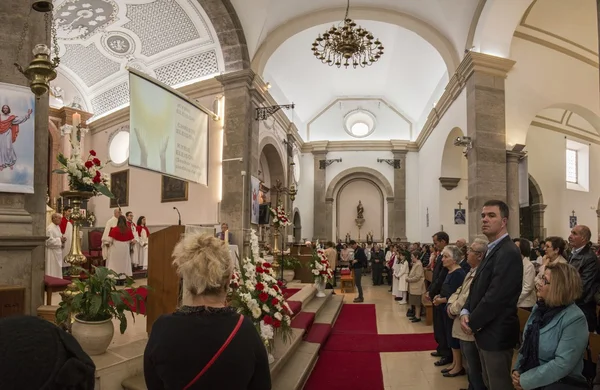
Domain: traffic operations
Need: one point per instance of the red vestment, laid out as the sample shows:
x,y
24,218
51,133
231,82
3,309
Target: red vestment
x,y
7,124
116,234
63,224
140,228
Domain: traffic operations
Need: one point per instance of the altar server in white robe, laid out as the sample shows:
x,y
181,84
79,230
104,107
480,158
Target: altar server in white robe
x,y
119,243
66,228
111,223
142,245
136,238
54,248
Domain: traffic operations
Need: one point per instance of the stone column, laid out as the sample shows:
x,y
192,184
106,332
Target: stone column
x,y
241,132
512,191
398,222
320,221
484,76
23,216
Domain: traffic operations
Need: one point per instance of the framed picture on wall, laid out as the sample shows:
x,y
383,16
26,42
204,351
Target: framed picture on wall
x,y
173,190
460,217
119,186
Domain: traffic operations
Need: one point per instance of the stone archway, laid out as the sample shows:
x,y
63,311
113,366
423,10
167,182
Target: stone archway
x,y
297,226
531,218
271,160
339,181
230,33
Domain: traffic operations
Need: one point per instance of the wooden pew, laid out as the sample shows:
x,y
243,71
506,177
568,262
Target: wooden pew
x,y
428,310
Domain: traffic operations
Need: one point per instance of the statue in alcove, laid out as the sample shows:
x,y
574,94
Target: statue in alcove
x,y
369,238
348,238
360,210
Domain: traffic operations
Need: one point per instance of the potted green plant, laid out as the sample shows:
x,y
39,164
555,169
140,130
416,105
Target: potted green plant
x,y
89,307
290,263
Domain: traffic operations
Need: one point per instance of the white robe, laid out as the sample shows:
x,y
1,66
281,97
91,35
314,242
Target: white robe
x,y
142,249
67,248
403,274
54,252
111,223
135,260
395,270
119,257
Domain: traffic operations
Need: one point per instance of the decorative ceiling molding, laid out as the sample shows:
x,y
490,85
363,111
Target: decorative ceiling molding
x,y
359,146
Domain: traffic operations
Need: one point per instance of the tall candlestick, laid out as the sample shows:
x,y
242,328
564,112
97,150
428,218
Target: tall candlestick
x,y
76,119
74,131
226,238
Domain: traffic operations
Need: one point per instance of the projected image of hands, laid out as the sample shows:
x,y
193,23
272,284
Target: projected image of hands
x,y
163,143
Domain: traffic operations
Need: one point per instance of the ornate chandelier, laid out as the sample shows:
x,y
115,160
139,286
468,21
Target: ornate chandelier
x,y
347,45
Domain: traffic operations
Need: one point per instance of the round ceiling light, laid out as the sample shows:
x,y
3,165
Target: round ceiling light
x,y
118,148
359,123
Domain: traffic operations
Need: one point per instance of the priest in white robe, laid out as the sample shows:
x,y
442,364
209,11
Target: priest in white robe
x,y
142,245
119,242
66,229
111,223
54,248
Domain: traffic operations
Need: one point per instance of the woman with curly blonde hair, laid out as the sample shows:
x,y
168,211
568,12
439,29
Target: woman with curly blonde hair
x,y
201,344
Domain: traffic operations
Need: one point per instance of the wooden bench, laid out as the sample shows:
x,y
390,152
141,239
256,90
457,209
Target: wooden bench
x,y
428,310
347,282
52,285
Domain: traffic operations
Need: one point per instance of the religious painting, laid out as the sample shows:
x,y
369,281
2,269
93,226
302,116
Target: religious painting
x,y
572,221
119,186
173,190
460,217
255,201
17,138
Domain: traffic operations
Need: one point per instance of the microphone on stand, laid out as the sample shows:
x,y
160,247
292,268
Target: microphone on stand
x,y
178,213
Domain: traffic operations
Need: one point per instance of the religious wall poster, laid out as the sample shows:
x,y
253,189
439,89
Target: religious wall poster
x,y
255,200
119,186
460,217
572,221
17,134
173,190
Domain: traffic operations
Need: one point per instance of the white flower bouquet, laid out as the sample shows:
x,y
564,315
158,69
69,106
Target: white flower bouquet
x,y
256,293
320,267
84,175
280,218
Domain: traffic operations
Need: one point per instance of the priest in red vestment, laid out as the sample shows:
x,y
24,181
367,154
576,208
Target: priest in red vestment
x,y
119,243
136,238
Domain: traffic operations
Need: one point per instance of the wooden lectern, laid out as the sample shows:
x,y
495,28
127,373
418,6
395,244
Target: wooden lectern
x,y
163,294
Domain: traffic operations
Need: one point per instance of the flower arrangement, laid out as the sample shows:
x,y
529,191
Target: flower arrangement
x,y
91,218
255,293
319,266
84,175
280,218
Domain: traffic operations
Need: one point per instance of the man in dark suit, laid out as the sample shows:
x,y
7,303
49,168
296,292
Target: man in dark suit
x,y
585,261
358,264
490,312
440,240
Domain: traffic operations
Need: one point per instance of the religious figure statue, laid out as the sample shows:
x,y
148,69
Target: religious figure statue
x,y
359,210
347,238
9,129
369,238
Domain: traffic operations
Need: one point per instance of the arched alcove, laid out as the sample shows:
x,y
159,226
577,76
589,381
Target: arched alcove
x,y
338,182
370,195
271,168
297,226
453,188
531,218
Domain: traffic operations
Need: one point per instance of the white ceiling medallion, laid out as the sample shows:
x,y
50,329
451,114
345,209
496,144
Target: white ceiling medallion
x,y
359,123
118,43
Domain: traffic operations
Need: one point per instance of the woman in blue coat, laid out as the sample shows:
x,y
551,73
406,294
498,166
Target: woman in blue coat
x,y
555,336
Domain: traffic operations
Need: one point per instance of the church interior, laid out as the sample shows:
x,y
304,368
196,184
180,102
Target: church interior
x,y
255,123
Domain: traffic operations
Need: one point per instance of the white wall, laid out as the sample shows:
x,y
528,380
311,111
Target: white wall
x,y
305,198
389,124
145,186
440,202
547,165
373,201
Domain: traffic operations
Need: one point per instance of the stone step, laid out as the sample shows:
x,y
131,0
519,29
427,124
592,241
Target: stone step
x,y
298,368
135,383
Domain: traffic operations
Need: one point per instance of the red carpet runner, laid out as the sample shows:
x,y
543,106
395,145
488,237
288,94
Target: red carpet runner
x,y
350,357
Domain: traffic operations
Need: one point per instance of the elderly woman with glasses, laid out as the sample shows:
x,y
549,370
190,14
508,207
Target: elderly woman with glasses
x,y
555,336
451,258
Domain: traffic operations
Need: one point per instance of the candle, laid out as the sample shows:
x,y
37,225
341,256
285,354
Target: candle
x,y
76,123
226,238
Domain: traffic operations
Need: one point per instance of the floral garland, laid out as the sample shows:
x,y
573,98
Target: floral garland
x,y
255,293
84,175
280,218
319,266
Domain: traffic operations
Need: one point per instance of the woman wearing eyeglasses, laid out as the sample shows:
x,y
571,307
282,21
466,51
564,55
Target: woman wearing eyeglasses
x,y
555,336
